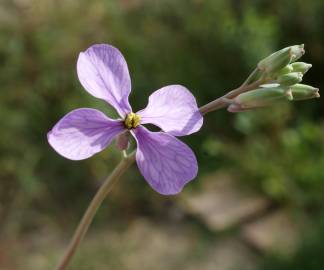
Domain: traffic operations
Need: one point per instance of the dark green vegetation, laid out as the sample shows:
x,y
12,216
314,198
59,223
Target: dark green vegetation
x,y
210,47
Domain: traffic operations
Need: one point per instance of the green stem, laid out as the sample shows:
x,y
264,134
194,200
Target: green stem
x,y
256,73
222,102
93,207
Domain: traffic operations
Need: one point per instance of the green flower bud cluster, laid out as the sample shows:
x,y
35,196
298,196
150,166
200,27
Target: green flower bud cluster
x,y
285,75
282,67
292,73
271,94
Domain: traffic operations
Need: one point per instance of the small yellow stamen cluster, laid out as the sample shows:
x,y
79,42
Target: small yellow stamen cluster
x,y
132,120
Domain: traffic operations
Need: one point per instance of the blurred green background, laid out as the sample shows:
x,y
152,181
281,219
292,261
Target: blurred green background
x,y
210,47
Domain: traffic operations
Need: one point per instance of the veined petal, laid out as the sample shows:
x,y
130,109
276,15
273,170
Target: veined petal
x,y
103,72
82,133
166,163
174,109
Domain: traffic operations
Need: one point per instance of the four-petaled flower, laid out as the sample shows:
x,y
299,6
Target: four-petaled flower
x,y
165,162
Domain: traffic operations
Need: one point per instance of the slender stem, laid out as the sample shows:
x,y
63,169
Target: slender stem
x,y
252,77
223,101
92,209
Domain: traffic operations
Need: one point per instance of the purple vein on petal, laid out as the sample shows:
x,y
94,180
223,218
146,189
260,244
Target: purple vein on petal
x,y
158,156
83,133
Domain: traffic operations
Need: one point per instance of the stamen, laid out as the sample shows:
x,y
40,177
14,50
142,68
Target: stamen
x,y
132,120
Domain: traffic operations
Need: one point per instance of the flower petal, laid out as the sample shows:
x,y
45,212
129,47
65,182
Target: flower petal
x,y
174,109
103,72
166,163
82,133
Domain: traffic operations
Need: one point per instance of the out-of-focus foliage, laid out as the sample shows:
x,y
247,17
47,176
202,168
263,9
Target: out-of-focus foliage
x,y
279,153
194,43
209,46
309,256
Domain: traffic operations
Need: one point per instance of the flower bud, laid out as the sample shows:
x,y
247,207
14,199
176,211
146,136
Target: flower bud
x,y
281,58
276,61
290,78
297,51
285,70
303,91
300,67
258,98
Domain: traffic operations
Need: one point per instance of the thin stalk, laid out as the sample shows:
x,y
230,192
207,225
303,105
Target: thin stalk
x,y
222,102
256,73
93,207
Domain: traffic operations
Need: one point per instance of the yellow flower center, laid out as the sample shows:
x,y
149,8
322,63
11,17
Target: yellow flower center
x,y
132,120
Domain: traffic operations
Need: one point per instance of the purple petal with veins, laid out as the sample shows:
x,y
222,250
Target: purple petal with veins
x,y
174,109
82,133
103,72
166,163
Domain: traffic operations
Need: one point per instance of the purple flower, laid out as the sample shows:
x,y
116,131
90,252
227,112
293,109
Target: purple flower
x,y
165,162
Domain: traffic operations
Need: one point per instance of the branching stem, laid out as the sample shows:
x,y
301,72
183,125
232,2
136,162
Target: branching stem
x,y
222,102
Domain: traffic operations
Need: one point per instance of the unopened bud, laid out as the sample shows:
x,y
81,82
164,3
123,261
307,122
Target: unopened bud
x,y
300,67
303,91
233,108
280,59
258,98
290,78
276,61
297,51
285,70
